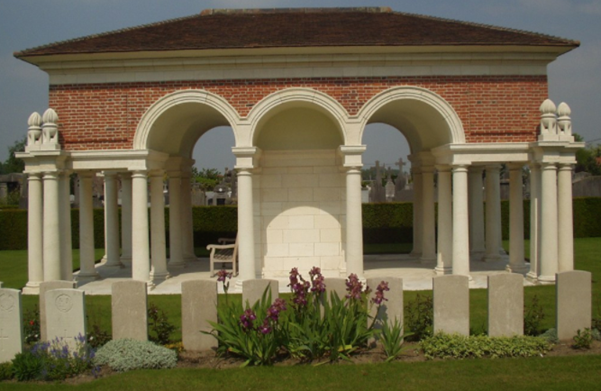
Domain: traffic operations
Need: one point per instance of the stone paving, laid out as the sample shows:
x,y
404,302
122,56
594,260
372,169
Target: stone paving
x,y
415,275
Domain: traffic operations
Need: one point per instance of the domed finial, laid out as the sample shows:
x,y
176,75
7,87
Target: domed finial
x,y
50,116
34,119
548,107
564,110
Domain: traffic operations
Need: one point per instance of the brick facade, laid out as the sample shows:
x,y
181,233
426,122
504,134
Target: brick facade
x,y
492,108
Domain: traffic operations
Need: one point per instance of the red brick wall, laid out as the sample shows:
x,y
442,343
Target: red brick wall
x,y
492,108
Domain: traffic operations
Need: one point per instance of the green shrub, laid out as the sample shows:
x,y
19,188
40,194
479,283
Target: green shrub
x,y
27,366
31,326
97,337
419,317
533,317
392,338
583,339
550,336
459,347
6,371
596,334
159,327
127,354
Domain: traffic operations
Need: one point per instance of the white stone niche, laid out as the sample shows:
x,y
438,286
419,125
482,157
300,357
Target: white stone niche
x,y
299,196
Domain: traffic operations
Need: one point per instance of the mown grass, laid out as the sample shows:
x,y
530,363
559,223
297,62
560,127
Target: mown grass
x,y
549,374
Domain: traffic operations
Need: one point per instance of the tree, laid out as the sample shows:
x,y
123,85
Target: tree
x,y
587,158
207,177
12,164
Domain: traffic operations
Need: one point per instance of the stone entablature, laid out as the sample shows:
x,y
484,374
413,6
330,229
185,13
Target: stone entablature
x,y
105,116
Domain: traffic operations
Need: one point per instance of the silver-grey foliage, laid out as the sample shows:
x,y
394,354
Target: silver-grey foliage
x,y
127,354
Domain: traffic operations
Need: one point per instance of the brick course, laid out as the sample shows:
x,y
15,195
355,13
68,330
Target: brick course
x,y
492,108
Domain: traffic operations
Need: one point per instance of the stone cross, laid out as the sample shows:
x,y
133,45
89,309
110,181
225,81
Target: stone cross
x,y
401,164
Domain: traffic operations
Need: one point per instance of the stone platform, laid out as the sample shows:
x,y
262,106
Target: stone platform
x,y
415,275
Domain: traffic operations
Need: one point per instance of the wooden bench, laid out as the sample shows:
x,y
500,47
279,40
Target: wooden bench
x,y
224,252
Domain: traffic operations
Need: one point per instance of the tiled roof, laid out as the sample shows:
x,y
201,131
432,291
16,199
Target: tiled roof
x,y
303,27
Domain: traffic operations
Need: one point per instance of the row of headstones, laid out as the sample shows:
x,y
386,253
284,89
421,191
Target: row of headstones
x,y
62,308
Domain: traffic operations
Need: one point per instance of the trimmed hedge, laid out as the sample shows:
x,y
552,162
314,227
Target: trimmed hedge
x,y
382,223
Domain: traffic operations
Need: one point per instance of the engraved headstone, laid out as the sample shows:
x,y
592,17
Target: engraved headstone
x,y
66,315
129,309
252,290
45,287
574,303
451,304
391,309
505,305
11,324
337,285
199,306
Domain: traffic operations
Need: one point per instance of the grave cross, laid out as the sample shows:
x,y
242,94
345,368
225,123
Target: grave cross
x,y
401,164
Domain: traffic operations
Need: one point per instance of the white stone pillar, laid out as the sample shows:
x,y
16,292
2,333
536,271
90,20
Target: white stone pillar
x,y
416,252
52,228
444,263
535,186
112,220
354,224
126,218
65,222
246,238
35,245
548,229
186,219
87,271
476,211
516,220
176,258
157,229
140,241
493,213
428,223
461,245
565,219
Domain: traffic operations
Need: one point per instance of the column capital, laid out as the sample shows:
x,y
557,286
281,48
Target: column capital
x,y
515,166
156,173
139,174
476,169
565,166
427,169
34,176
110,174
126,175
548,166
244,171
86,174
443,167
460,167
51,175
493,167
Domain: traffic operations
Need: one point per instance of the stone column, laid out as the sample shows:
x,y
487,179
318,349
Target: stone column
x,y
445,222
535,179
157,229
176,258
354,226
564,218
493,213
186,219
87,271
548,228
476,209
65,222
461,245
126,218
246,238
140,241
516,220
35,245
428,227
416,252
52,228
112,220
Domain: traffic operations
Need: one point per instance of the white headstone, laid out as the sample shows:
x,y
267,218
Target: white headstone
x,y
65,315
11,324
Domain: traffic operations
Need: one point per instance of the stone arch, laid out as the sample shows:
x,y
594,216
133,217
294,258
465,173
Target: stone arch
x,y
296,97
410,109
183,110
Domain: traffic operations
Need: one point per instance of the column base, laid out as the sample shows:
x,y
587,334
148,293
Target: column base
x,y
32,288
427,260
492,258
477,256
532,277
125,260
415,254
440,271
159,277
546,280
87,277
519,269
176,264
150,286
190,258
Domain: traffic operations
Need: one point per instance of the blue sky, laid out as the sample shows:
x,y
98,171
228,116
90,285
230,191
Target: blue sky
x,y
573,78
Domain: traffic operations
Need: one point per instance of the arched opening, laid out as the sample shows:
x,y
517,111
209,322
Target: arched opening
x,y
299,197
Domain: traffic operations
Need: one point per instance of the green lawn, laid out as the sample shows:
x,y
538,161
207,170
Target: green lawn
x,y
582,372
